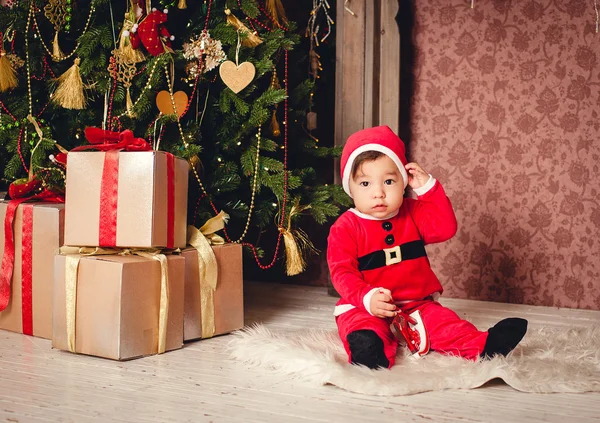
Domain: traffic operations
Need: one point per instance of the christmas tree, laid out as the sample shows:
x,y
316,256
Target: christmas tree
x,y
218,83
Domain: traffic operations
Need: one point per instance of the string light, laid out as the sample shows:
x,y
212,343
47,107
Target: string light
x,y
312,28
37,29
27,66
254,188
347,8
53,169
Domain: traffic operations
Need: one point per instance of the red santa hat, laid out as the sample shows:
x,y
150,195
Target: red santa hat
x,y
379,138
152,33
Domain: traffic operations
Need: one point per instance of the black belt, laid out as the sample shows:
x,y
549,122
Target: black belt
x,y
408,251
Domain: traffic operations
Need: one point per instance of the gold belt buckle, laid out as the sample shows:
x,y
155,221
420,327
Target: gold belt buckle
x,y
392,255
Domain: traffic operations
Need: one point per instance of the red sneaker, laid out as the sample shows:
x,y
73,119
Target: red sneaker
x,y
410,330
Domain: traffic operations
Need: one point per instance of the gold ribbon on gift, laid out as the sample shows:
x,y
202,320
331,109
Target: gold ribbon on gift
x,y
73,256
202,239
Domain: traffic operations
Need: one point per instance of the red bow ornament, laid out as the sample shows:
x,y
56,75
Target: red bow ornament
x,y
22,188
104,140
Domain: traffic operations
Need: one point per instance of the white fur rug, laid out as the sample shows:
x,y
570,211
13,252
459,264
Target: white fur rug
x,y
547,360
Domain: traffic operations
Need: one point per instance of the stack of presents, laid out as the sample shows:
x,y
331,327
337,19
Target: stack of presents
x,y
114,271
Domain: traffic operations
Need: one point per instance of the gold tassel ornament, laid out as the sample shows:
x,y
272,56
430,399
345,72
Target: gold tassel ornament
x,y
69,93
295,263
56,12
56,51
297,244
251,39
123,69
182,4
8,76
275,125
277,12
129,103
126,50
275,85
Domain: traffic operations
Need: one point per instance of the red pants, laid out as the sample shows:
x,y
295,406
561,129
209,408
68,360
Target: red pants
x,y
448,333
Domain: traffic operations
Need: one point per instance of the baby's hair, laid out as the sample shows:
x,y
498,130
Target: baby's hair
x,y
367,156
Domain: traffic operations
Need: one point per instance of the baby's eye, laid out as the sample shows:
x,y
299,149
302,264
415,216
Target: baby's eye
x,y
389,181
364,184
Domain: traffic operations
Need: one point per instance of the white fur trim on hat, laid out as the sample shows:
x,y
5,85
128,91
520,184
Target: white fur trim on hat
x,y
371,147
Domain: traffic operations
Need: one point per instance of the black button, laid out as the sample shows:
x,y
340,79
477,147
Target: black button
x,y
389,240
387,226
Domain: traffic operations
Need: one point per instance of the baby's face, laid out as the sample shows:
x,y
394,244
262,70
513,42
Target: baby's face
x,y
377,188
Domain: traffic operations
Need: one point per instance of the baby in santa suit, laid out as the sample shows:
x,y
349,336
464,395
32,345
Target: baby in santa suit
x,y
378,264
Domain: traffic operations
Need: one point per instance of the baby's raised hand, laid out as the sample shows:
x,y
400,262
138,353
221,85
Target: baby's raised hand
x,y
417,177
382,304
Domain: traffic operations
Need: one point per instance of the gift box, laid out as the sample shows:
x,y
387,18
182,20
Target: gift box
x,y
37,231
210,310
116,306
126,199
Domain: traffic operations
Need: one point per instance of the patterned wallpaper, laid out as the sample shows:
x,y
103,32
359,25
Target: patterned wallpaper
x,y
505,114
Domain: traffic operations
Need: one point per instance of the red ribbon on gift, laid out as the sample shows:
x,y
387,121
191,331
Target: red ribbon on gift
x,y
109,189
8,259
27,270
113,142
170,200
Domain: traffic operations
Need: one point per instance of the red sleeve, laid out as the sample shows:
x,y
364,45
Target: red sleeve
x,y
342,258
433,215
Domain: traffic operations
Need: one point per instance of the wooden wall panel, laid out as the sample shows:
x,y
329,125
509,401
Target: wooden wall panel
x,y
367,67
350,72
389,66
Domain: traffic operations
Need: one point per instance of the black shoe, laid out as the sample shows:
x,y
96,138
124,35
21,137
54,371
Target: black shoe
x,y
366,348
504,337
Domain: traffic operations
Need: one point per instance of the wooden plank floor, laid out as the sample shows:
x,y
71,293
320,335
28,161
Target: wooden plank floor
x,y
200,383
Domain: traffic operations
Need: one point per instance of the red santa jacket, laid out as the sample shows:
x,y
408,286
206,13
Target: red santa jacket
x,y
352,238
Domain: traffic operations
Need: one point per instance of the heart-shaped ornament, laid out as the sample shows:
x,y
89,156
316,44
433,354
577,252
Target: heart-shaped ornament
x,y
163,102
237,77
